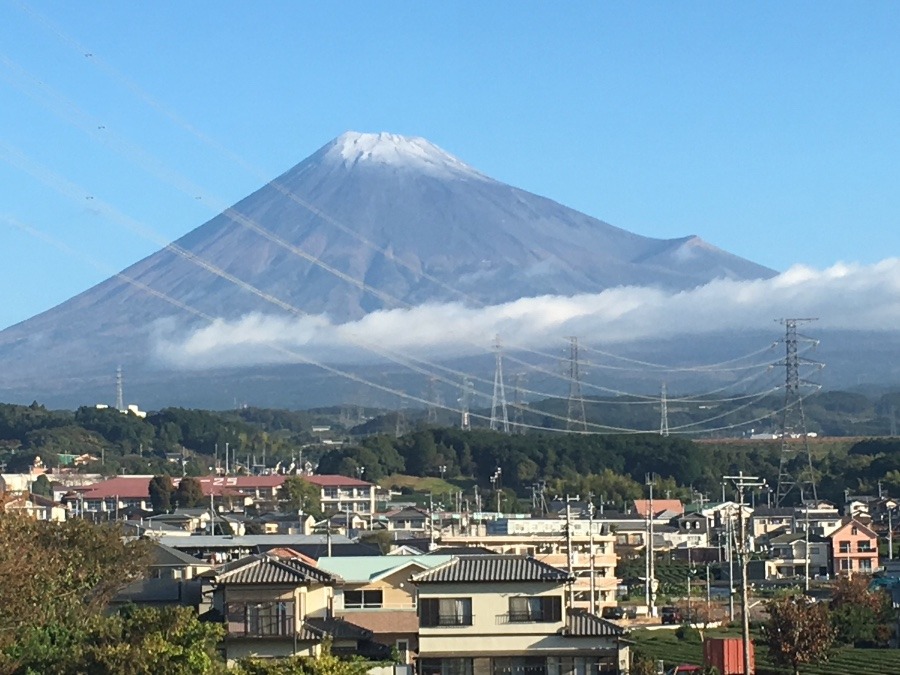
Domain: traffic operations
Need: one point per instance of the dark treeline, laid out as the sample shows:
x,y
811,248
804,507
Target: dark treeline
x,y
612,466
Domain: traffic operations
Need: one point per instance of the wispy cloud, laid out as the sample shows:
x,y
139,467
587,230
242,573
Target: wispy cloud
x,y
844,296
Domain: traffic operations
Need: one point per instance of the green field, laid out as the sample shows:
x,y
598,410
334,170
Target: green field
x,y
664,645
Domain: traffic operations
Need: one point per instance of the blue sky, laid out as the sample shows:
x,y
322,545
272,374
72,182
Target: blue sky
x,y
769,129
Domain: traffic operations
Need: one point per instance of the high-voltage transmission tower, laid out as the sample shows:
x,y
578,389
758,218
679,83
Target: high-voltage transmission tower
x,y
120,395
795,468
465,400
575,417
499,416
433,396
518,420
663,412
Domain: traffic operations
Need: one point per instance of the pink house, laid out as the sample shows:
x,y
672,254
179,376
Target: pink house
x,y
854,548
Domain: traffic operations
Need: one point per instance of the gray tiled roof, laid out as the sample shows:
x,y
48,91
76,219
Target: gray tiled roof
x,y
582,624
492,569
263,569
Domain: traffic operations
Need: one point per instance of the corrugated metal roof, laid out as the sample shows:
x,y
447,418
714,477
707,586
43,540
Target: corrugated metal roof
x,y
492,568
582,624
263,569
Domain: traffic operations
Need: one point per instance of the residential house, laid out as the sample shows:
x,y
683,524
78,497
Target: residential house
x,y
376,594
37,507
172,578
508,615
854,548
788,556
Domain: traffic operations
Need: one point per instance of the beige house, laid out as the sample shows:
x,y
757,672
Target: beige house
x,y
376,594
281,606
508,615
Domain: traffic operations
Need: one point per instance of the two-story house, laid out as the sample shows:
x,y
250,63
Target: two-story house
x,y
854,548
788,556
376,594
508,615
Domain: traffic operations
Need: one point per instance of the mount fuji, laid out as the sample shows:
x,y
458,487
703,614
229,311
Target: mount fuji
x,y
370,222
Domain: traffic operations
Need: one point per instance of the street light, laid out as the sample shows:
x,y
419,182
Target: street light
x,y
443,469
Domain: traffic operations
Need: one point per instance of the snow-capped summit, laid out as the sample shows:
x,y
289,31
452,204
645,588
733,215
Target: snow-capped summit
x,y
404,152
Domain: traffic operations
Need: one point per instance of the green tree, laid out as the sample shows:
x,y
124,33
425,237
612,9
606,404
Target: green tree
x,y
861,615
296,494
798,631
325,663
42,487
74,569
161,490
189,494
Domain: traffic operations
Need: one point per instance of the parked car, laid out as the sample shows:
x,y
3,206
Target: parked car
x,y
670,615
685,668
613,613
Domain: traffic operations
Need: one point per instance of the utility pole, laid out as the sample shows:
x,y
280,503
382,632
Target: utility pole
x,y
742,482
569,554
593,603
793,419
650,563
499,415
576,420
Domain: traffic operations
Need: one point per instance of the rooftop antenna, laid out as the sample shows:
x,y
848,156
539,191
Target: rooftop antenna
x,y
499,416
575,416
120,396
793,471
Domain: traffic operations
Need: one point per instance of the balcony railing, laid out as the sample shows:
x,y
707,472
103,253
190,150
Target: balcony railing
x,y
521,617
262,627
455,619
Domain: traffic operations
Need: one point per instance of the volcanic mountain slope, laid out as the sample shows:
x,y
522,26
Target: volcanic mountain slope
x,y
369,221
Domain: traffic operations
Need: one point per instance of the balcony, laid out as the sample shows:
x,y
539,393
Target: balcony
x,y
261,620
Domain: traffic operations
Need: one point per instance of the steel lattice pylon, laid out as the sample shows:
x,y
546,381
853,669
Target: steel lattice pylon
x,y
795,469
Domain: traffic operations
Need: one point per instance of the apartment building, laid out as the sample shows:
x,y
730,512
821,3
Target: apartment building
x,y
546,540
340,493
854,548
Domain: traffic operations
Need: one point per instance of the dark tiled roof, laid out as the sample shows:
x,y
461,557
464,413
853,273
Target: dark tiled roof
x,y
582,624
773,511
492,569
339,629
263,569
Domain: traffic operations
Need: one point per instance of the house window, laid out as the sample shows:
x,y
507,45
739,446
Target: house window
x,y
260,619
535,609
330,493
582,665
864,547
846,565
445,666
865,565
364,599
854,531
845,547
445,612
519,665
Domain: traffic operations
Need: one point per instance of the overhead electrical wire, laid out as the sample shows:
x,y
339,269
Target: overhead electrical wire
x,y
134,152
